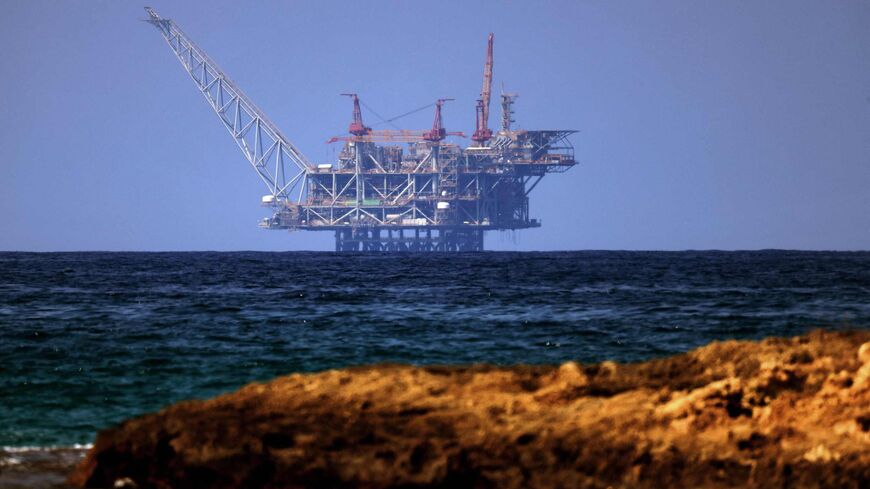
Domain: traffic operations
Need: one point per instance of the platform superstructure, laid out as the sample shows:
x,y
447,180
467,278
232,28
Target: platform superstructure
x,y
389,190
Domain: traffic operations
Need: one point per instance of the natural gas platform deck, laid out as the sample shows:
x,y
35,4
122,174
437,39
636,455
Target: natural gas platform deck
x,y
418,192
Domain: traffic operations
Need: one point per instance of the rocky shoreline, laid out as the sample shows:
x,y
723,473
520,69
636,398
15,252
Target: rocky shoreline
x,y
782,412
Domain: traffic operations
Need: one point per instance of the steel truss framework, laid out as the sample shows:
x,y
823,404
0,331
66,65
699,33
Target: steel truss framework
x,y
489,201
414,239
269,152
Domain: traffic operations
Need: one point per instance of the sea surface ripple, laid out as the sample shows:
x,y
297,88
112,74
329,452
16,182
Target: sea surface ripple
x,y
88,339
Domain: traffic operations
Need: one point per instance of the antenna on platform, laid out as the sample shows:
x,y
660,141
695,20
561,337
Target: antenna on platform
x,y
507,110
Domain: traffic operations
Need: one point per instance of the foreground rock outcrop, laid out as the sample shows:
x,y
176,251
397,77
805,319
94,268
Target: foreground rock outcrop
x,y
776,413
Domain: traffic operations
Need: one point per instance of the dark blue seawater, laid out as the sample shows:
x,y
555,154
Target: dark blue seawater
x,y
88,339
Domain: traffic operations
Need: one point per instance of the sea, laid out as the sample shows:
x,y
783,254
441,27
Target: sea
x,y
89,339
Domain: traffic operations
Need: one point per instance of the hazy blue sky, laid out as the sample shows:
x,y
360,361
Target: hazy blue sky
x,y
727,124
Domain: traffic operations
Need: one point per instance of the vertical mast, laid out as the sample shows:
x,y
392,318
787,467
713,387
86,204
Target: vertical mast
x,y
507,112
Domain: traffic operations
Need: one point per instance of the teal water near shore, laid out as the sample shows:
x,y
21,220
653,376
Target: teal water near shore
x,y
88,339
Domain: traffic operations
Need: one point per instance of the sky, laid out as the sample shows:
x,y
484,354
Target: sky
x,y
702,124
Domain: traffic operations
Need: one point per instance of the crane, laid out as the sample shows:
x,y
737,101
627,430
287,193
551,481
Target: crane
x,y
482,133
362,133
357,128
438,133
279,164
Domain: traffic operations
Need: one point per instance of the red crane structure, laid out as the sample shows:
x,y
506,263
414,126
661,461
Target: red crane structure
x,y
482,133
360,133
357,128
438,133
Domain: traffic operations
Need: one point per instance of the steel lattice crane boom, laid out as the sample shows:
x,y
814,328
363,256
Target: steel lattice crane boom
x,y
279,164
482,132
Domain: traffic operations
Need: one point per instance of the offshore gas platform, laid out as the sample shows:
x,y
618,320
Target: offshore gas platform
x,y
422,194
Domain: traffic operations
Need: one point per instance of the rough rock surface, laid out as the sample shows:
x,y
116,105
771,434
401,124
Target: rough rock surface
x,y
777,413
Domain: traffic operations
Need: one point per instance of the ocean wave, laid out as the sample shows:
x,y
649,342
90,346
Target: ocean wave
x,y
39,466
48,455
21,449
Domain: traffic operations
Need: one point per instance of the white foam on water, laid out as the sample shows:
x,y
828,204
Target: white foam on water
x,y
38,466
77,446
27,455
7,461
